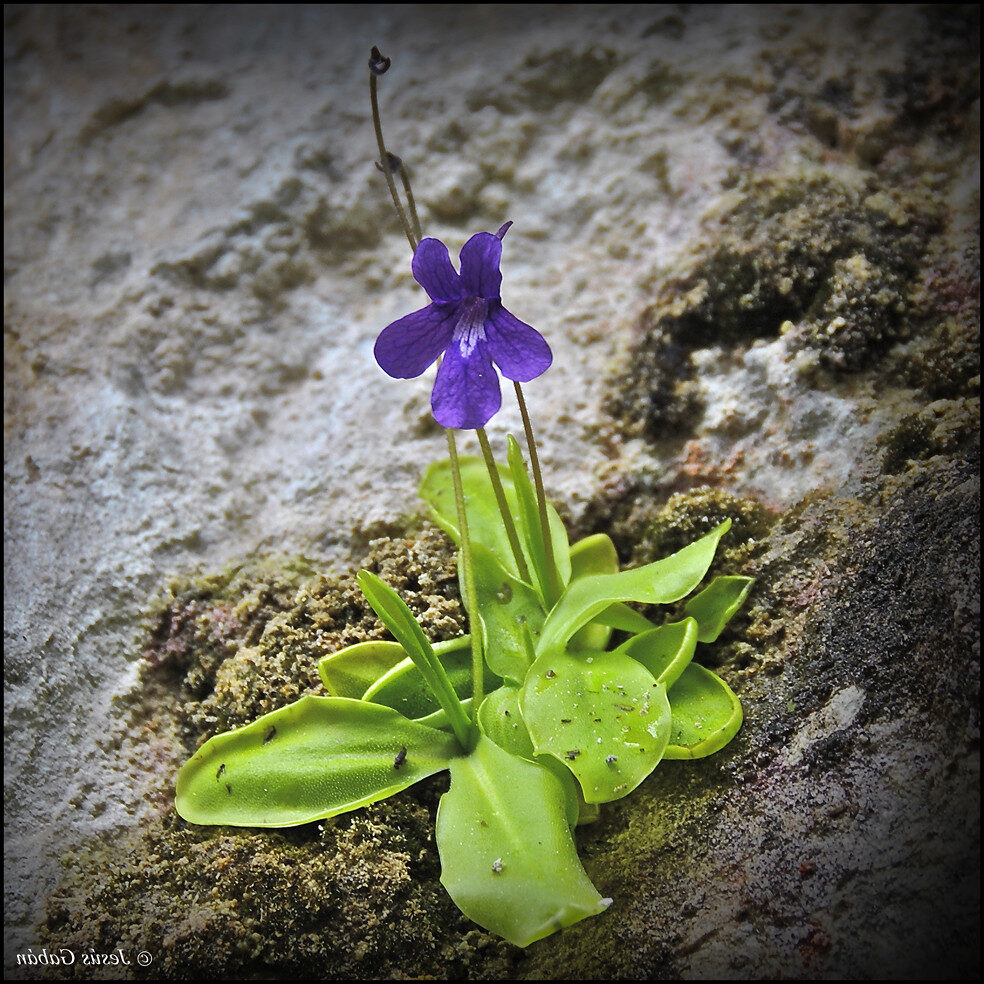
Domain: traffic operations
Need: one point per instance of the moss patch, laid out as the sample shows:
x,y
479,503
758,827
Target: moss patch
x,y
835,837
230,648
356,897
831,261
943,427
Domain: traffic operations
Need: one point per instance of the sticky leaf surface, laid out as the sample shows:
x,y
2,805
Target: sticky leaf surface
x,y
706,714
507,855
315,758
604,716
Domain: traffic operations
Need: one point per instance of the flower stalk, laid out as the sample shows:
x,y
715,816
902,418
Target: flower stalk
x,y
390,164
411,203
378,65
500,498
554,586
468,578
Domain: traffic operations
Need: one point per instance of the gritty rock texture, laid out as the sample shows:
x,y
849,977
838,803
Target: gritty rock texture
x,y
750,234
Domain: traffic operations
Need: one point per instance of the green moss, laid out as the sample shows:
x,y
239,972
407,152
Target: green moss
x,y
217,903
357,897
686,516
230,648
943,358
828,260
942,427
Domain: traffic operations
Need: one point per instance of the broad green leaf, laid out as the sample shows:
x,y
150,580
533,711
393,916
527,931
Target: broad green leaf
x,y
603,715
706,714
510,613
315,758
593,555
715,605
620,616
352,670
358,670
508,858
500,719
405,690
661,583
485,524
394,614
665,651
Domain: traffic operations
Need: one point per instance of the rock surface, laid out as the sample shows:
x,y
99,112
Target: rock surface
x,y
750,236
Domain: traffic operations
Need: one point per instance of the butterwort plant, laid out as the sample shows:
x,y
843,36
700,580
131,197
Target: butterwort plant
x,y
538,716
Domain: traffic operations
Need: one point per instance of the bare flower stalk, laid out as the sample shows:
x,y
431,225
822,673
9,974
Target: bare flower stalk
x,y
554,586
384,157
500,498
468,578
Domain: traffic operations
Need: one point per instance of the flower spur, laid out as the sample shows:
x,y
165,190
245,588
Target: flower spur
x,y
468,324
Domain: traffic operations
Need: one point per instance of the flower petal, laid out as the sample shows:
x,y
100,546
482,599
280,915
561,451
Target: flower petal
x,y
479,260
407,347
520,351
432,269
466,392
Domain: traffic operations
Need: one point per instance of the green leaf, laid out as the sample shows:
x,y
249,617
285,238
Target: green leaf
x,y
715,605
510,613
438,719
315,758
485,524
593,555
508,858
706,714
665,651
405,690
500,720
353,670
603,715
661,583
395,615
620,616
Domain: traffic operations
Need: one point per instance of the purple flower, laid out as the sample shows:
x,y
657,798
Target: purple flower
x,y
467,322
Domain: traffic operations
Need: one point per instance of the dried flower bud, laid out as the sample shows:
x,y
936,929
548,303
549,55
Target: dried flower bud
x,y
378,64
393,162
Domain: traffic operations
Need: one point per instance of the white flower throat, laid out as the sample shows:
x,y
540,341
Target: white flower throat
x,y
470,329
